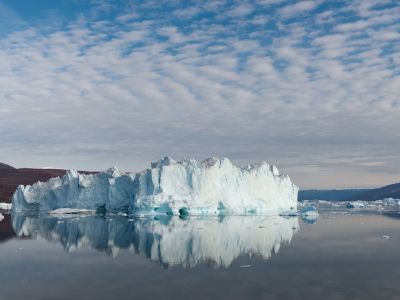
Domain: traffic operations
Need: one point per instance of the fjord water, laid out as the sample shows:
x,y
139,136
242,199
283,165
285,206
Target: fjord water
x,y
341,256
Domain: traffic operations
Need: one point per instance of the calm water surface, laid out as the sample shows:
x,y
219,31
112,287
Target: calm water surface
x,y
341,256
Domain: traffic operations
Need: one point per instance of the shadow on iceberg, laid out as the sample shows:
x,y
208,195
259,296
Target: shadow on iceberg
x,y
171,241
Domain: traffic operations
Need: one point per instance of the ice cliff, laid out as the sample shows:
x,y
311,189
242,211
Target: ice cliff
x,y
211,187
169,241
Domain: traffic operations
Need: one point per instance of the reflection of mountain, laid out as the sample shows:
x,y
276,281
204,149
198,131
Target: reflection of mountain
x,y
6,230
171,241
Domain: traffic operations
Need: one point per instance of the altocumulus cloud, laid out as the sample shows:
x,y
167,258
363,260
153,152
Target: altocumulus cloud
x,y
312,86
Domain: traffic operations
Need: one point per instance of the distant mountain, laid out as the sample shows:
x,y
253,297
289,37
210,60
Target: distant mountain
x,y
329,195
11,177
6,167
389,191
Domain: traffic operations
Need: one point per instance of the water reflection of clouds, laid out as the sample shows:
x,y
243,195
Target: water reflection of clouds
x,y
170,241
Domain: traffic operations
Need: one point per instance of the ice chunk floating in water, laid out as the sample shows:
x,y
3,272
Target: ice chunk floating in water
x,y
211,187
5,206
169,240
309,214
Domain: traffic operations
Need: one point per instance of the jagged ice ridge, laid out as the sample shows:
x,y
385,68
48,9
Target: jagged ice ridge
x,y
211,187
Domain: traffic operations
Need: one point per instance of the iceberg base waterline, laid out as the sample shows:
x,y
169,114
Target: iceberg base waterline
x,y
188,187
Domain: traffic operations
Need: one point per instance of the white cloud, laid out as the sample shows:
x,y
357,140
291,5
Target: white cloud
x,y
187,12
387,35
260,20
352,26
241,10
297,8
95,94
270,2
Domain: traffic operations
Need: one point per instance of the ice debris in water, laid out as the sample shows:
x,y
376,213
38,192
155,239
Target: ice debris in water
x,y
289,213
355,204
211,187
309,211
309,214
1,217
70,211
5,206
385,237
359,205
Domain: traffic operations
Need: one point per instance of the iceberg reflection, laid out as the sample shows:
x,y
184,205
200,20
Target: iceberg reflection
x,y
170,241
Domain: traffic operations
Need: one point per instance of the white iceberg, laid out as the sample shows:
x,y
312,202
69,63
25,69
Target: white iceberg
x,y
211,187
356,204
290,213
391,202
70,211
309,214
5,206
309,211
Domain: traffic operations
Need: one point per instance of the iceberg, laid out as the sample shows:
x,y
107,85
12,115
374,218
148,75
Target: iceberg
x,y
356,204
309,211
309,214
70,211
188,187
169,241
5,206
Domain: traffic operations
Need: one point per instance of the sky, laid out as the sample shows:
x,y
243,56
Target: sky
x,y
312,86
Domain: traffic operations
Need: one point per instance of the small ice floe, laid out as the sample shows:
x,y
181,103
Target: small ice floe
x,y
1,217
309,211
5,206
70,211
289,213
309,214
385,237
245,266
355,204
390,202
301,203
324,202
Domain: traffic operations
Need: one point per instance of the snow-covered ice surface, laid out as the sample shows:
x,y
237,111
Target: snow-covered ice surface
x,y
211,187
168,240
